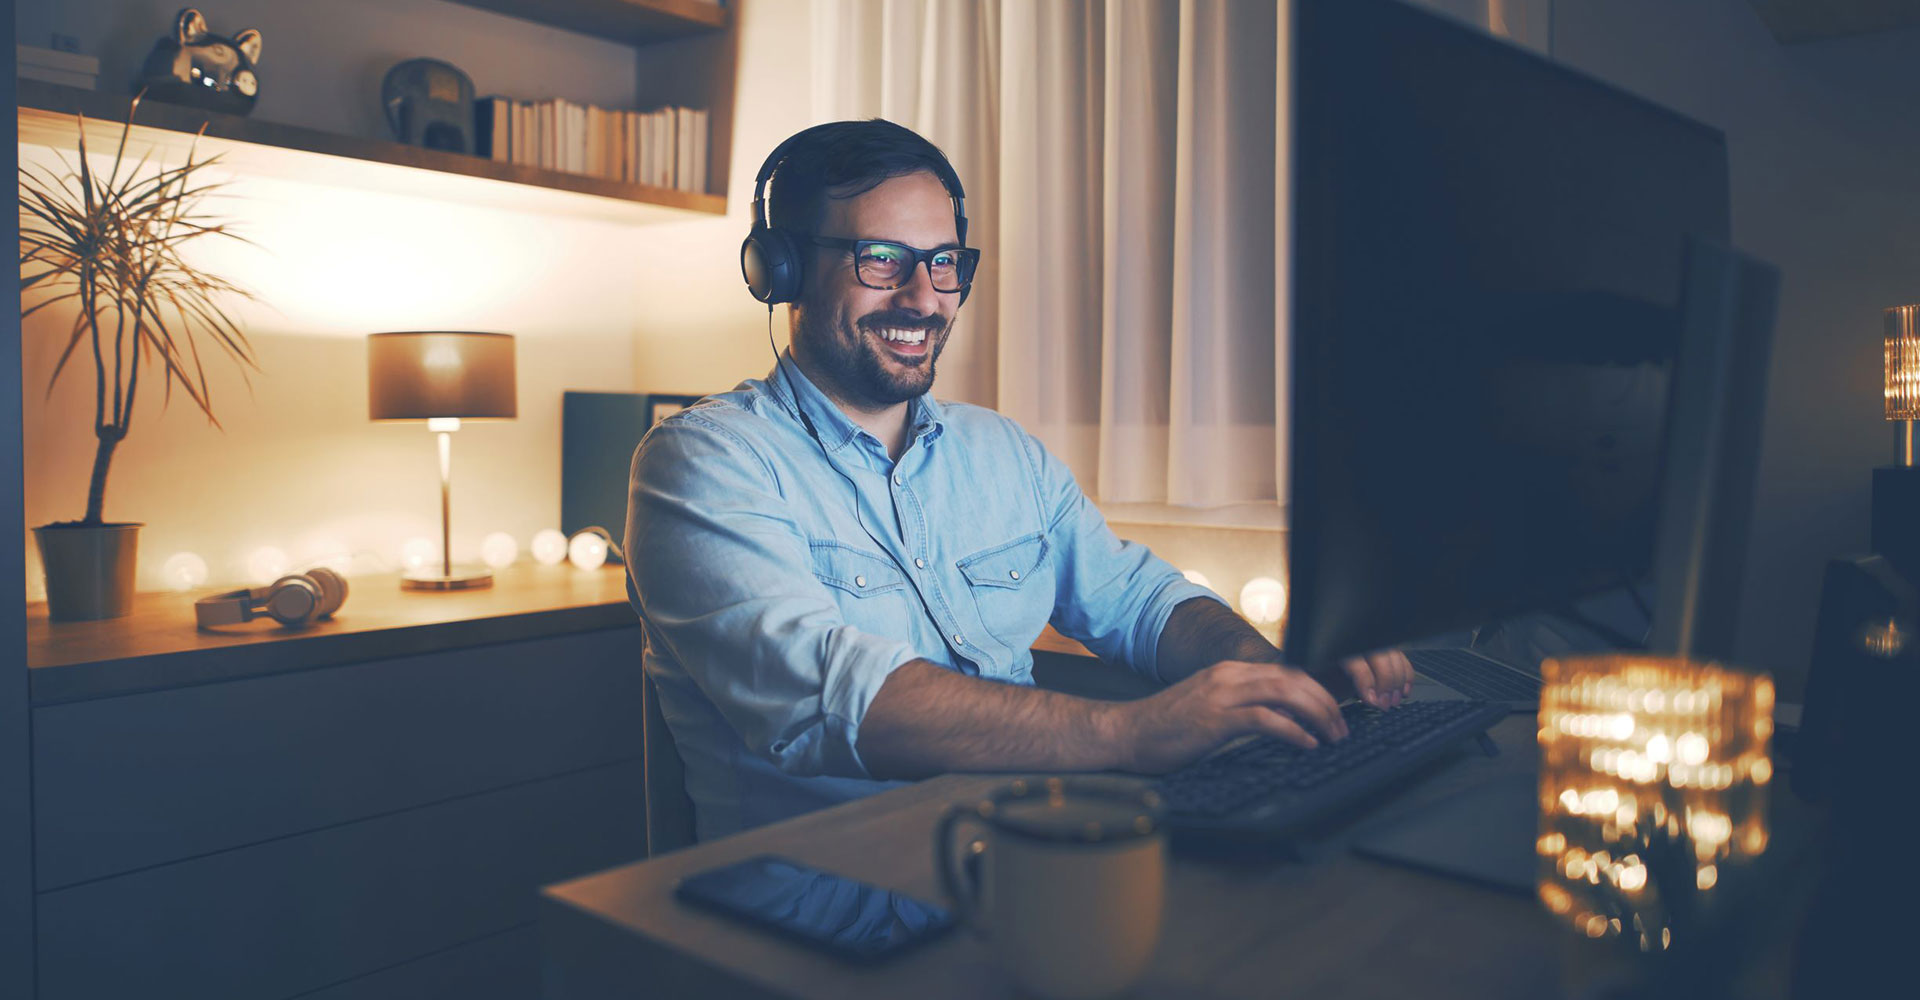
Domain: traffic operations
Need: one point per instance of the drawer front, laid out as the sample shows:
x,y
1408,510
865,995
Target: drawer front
x,y
127,782
502,966
317,910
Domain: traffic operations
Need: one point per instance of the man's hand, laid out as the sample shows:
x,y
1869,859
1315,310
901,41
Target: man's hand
x,y
1382,680
1228,699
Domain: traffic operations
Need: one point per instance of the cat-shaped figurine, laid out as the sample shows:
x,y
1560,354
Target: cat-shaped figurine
x,y
197,67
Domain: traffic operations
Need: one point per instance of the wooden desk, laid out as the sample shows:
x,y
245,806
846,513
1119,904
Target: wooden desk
x,y
1331,925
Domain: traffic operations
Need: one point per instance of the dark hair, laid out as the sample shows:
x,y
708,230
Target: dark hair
x,y
842,160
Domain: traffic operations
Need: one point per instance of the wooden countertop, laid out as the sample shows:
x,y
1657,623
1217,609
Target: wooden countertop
x,y
157,646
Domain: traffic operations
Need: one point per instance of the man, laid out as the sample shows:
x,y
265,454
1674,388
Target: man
x,y
840,578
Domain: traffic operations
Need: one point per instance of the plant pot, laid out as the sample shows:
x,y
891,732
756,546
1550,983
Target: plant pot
x,y
89,569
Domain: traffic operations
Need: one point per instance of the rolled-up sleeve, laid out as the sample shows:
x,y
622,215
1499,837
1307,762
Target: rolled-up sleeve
x,y
1113,596
723,576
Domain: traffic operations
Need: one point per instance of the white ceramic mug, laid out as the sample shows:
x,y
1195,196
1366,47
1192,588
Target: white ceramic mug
x,y
1071,881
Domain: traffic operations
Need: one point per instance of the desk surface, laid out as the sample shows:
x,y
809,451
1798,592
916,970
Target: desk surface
x,y
1332,926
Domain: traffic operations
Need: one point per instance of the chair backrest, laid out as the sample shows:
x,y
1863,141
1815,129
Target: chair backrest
x,y
669,810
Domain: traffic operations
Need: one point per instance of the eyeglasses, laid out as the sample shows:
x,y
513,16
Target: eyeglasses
x,y
883,266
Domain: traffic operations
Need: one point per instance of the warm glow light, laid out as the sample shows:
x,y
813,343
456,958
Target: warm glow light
x,y
587,550
1263,600
1637,751
1198,578
549,547
1903,362
184,571
499,550
419,553
266,565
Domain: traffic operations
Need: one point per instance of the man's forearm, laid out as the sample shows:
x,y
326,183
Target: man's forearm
x,y
928,720
1201,632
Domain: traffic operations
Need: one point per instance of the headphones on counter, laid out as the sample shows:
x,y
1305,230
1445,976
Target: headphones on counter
x,y
772,260
294,601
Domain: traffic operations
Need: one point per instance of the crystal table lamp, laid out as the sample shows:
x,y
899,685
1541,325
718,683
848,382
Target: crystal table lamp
x,y
1653,773
442,378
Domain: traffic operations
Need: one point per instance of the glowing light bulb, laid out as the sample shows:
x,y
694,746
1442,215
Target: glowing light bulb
x,y
266,564
1263,600
419,553
549,546
184,571
499,549
587,550
1198,578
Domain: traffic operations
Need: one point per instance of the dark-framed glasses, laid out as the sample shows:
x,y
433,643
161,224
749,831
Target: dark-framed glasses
x,y
884,265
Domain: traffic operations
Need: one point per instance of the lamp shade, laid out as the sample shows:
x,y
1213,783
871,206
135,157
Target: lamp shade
x,y
1903,363
421,375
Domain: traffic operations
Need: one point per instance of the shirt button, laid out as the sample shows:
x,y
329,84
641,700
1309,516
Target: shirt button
x,y
859,581
919,564
899,480
1014,573
959,640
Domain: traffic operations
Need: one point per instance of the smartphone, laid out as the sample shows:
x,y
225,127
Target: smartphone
x,y
849,919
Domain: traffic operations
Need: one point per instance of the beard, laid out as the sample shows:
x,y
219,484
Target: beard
x,y
852,358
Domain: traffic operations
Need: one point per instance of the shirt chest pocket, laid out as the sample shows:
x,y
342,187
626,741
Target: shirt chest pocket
x,y
868,587
1012,586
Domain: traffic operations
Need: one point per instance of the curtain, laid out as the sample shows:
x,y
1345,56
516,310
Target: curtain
x,y
1122,162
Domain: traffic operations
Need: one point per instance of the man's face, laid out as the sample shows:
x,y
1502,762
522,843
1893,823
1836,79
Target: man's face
x,y
870,348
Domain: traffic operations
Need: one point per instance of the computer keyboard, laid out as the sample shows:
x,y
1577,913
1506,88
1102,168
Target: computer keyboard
x,y
1264,788
1476,676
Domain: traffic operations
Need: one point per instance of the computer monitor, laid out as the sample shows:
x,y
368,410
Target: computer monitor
x,y
1490,298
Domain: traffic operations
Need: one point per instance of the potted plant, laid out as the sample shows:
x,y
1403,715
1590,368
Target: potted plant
x,y
109,248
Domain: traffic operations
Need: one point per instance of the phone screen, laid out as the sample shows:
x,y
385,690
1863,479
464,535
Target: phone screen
x,y
851,919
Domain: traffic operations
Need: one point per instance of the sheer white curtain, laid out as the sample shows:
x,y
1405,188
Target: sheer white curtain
x,y
1123,162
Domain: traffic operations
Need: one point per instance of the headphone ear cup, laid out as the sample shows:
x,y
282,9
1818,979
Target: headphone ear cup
x,y
333,590
292,600
771,265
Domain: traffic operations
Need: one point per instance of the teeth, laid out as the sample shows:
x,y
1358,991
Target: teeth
x,y
904,336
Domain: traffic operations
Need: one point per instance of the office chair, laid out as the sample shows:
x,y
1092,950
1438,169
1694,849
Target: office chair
x,y
669,810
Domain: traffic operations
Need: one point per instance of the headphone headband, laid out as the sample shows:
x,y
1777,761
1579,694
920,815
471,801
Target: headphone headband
x,y
940,168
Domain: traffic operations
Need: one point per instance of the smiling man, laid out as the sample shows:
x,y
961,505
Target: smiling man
x,y
840,578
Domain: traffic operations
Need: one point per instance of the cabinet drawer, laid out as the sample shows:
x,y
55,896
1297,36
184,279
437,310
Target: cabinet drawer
x,y
301,913
127,782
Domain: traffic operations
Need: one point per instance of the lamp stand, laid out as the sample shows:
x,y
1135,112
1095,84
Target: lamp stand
x,y
468,577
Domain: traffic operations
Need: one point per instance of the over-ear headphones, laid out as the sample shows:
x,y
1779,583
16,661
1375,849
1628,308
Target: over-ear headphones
x,y
772,260
292,601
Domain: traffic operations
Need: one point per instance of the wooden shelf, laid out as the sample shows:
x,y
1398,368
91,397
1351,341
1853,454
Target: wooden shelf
x,y
636,22
290,152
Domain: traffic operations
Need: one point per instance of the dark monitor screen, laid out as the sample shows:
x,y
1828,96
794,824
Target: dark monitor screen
x,y
1487,272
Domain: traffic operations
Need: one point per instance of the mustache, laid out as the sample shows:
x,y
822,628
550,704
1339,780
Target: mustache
x,y
896,320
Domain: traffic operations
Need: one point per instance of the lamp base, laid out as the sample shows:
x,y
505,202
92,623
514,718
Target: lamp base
x,y
462,578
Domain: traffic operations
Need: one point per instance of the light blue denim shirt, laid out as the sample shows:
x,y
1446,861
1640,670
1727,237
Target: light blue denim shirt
x,y
782,580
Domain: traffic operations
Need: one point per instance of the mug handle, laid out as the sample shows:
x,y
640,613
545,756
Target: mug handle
x,y
963,891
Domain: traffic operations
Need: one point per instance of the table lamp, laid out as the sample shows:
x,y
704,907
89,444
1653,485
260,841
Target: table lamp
x,y
1896,488
1653,773
442,378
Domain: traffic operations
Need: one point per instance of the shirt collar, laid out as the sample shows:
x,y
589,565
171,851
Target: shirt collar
x,y
836,429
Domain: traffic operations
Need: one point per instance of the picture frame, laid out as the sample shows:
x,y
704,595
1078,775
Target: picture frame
x,y
661,405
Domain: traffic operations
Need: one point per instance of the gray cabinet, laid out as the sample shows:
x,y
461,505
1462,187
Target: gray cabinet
x,y
370,829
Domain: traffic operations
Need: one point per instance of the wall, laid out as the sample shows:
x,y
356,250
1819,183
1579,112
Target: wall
x,y
299,467
1823,145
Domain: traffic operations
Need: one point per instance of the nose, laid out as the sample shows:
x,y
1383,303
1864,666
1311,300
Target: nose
x,y
918,294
